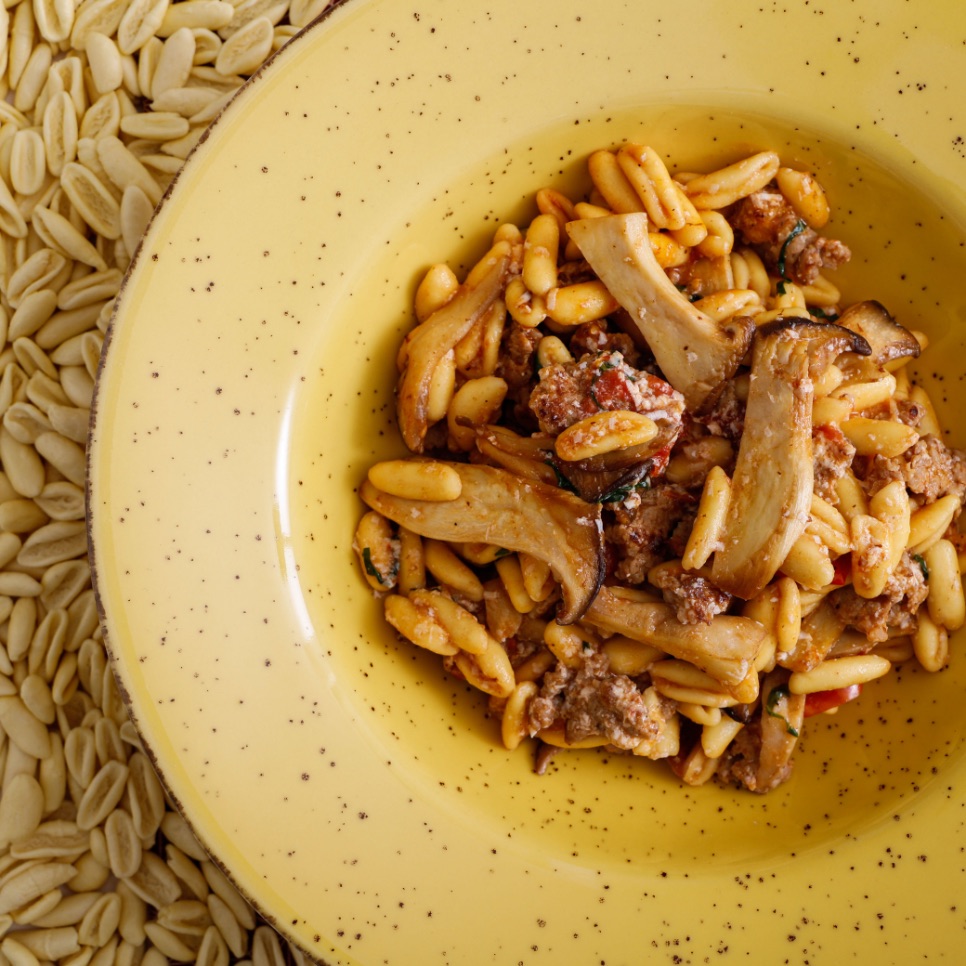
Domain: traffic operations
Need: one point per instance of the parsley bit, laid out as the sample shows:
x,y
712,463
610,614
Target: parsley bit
x,y
800,226
562,480
923,566
371,568
774,696
622,492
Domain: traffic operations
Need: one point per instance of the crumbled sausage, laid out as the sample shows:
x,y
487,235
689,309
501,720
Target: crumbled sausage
x,y
766,221
906,411
727,416
893,611
592,700
643,528
567,392
516,364
933,470
571,272
598,337
929,468
694,598
832,454
517,349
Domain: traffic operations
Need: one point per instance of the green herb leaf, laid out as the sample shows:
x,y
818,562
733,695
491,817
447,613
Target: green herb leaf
x,y
800,226
923,566
562,480
774,696
780,287
822,314
622,492
371,568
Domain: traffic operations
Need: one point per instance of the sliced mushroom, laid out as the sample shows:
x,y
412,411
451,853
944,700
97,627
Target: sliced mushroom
x,y
887,339
429,342
773,479
695,353
526,456
497,507
726,648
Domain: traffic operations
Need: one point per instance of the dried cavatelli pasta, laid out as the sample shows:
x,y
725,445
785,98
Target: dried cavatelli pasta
x,y
106,99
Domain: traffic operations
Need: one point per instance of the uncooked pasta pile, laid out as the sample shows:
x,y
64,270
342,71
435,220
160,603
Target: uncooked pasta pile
x,y
101,101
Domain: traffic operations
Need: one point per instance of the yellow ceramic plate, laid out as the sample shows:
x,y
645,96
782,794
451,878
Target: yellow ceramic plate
x,y
355,793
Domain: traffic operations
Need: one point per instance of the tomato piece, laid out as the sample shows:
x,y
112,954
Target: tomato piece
x,y
659,461
822,701
830,431
843,570
611,390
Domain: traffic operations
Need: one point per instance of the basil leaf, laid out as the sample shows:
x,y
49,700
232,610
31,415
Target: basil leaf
x,y
822,314
923,566
622,492
370,567
774,696
800,226
562,480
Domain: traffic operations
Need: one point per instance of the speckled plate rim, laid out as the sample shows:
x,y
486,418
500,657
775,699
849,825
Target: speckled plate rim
x,y
580,912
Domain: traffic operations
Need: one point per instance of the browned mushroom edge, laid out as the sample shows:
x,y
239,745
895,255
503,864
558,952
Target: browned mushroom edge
x,y
887,339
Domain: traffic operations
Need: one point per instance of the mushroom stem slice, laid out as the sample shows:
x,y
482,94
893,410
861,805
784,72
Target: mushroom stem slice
x,y
695,353
497,507
429,342
773,479
726,648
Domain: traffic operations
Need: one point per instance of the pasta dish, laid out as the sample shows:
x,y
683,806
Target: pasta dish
x,y
668,492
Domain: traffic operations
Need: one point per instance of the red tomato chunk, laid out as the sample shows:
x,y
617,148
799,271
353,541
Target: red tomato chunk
x,y
821,701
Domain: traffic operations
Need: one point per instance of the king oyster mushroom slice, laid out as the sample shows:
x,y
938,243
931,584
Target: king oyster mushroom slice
x,y
726,648
772,484
695,353
429,342
886,338
499,508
